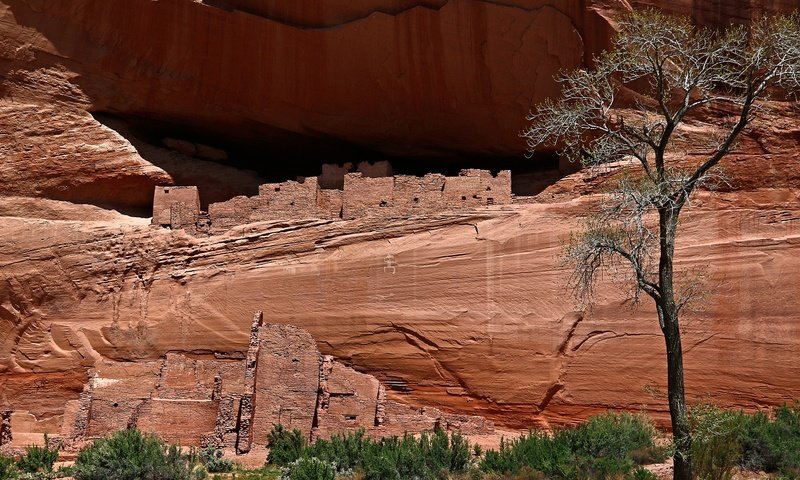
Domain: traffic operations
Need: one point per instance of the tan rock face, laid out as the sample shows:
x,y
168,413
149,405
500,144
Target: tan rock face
x,y
467,312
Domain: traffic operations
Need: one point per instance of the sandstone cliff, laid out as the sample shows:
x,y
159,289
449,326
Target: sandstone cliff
x,y
464,311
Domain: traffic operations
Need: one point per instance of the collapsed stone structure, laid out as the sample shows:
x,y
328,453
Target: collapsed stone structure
x,y
233,400
361,196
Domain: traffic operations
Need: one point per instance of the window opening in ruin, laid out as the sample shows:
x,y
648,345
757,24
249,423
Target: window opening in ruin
x,y
416,199
384,203
277,189
350,417
475,196
463,197
115,404
488,189
490,201
166,190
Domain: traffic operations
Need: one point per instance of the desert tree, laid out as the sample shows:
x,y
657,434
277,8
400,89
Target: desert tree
x,y
631,109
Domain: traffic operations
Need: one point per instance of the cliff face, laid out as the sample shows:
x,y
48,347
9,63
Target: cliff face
x,y
466,311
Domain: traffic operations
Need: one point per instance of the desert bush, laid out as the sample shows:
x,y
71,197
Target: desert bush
x,y
309,468
199,472
600,448
610,435
534,450
430,456
7,468
771,445
38,459
130,454
212,460
284,446
344,450
716,446
641,474
427,457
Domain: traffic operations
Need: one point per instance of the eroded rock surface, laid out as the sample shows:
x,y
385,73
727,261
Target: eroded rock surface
x,y
231,400
467,312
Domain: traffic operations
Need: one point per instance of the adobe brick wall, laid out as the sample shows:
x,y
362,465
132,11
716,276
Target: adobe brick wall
x,y
186,422
165,197
287,381
199,400
418,195
362,196
366,196
348,400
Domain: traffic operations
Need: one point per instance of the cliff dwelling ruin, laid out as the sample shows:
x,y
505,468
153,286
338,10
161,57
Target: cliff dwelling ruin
x,y
233,401
361,196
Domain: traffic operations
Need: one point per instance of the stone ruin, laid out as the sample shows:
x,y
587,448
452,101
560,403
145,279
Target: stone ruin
x,y
361,196
233,401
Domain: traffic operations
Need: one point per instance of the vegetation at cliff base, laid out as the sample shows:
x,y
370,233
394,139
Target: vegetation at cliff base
x,y
607,446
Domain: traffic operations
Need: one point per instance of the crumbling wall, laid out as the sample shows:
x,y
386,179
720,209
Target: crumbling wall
x,y
236,211
235,400
244,440
362,196
332,176
292,199
119,390
287,381
186,422
348,400
75,425
187,210
365,196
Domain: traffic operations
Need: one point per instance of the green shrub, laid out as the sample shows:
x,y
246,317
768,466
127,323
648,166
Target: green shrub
x,y
715,441
344,450
129,454
199,472
610,435
38,459
534,450
309,468
603,447
641,474
212,460
284,446
7,469
771,445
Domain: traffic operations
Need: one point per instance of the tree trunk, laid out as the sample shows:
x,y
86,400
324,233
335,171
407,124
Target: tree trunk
x,y
668,318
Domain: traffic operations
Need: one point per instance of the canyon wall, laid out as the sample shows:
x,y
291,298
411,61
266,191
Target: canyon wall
x,y
468,313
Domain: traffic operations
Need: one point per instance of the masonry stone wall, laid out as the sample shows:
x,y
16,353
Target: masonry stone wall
x,y
205,399
362,196
348,400
287,381
366,196
187,200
